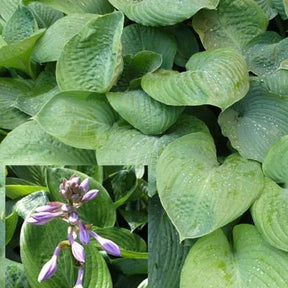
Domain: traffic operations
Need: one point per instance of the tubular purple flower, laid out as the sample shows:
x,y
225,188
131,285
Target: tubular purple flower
x,y
52,207
73,218
85,185
79,278
77,250
83,234
50,267
109,246
90,195
41,218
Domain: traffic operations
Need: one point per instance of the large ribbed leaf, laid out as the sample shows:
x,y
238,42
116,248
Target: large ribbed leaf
x,y
137,38
44,15
268,8
96,52
275,164
37,245
166,254
234,24
282,7
218,77
72,6
269,213
125,145
161,12
49,47
255,123
40,148
143,112
78,118
21,25
194,188
265,53
10,91
17,55
7,8
249,262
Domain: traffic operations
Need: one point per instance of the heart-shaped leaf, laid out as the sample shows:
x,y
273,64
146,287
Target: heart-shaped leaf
x,y
10,91
71,6
44,15
155,117
282,7
37,245
268,7
228,25
193,188
137,38
20,26
265,52
17,55
167,255
40,148
100,211
270,216
250,262
78,118
96,52
218,77
50,46
250,128
161,12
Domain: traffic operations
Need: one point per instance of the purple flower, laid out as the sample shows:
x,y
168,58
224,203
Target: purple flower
x,y
77,249
90,195
109,246
50,267
83,234
41,218
79,278
52,207
85,185
73,218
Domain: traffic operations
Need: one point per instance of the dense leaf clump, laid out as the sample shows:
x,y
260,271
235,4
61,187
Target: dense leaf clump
x,y
196,90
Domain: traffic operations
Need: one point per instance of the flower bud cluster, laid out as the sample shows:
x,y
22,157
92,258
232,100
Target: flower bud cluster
x,y
76,193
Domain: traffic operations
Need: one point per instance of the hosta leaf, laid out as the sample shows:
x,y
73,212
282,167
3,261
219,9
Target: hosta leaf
x,y
250,128
21,25
186,43
137,38
159,12
282,7
40,148
124,145
17,55
166,254
270,216
234,24
44,15
96,52
14,274
78,118
268,8
7,8
250,262
135,67
194,188
37,245
10,91
10,226
155,117
265,53
49,47
17,191
218,77
100,211
275,164
71,6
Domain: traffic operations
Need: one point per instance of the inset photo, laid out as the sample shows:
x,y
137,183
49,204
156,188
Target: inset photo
x,y
76,226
